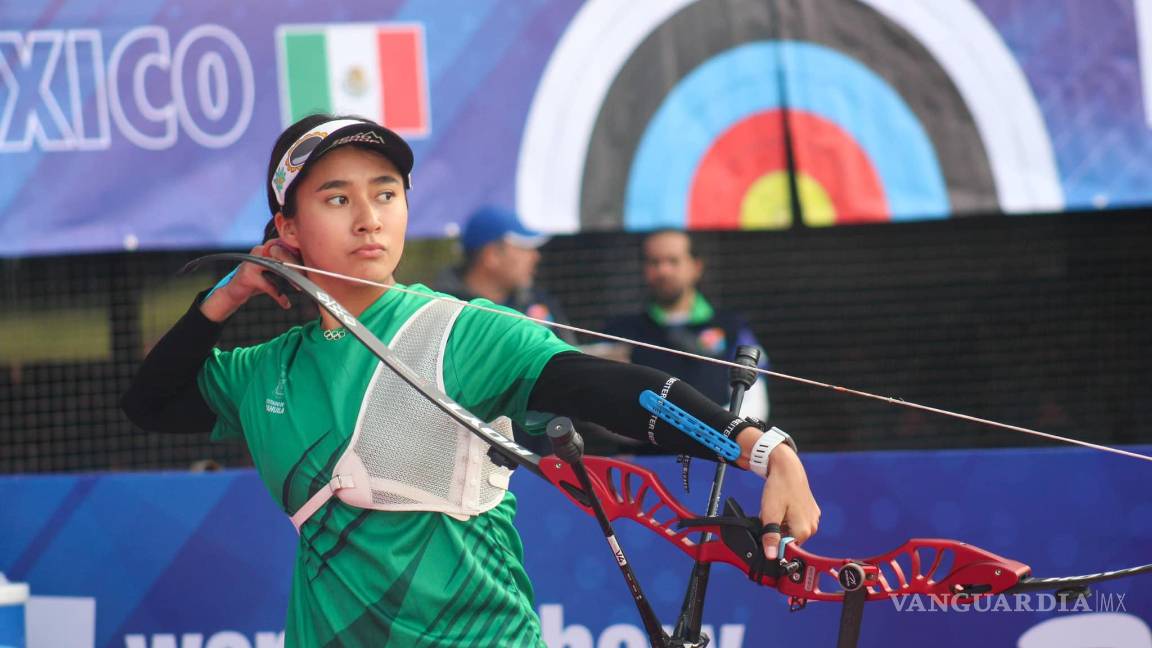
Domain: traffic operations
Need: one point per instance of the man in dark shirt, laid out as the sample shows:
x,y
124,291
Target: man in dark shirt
x,y
678,316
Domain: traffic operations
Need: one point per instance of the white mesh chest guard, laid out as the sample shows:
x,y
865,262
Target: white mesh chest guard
x,y
405,453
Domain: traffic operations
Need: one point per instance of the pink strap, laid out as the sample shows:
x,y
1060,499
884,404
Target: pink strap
x,y
320,498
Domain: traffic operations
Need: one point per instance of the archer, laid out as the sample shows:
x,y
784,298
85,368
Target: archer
x,y
405,521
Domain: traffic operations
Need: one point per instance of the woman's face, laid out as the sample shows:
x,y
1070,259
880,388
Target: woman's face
x,y
351,215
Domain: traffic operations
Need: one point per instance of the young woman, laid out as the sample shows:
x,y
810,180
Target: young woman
x,y
426,554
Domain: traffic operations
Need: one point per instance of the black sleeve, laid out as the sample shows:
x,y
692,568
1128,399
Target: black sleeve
x,y
164,396
607,393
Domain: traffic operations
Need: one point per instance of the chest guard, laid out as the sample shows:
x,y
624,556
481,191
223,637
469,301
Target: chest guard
x,y
405,454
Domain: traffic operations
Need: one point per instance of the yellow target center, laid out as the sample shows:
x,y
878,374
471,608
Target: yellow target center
x,y
766,204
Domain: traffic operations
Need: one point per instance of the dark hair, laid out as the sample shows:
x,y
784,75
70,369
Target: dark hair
x,y
669,230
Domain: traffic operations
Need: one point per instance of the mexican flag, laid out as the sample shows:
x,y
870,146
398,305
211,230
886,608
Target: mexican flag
x,y
378,71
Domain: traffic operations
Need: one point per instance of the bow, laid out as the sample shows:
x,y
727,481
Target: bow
x,y
632,492
612,490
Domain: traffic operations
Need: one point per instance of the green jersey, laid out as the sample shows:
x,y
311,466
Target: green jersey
x,y
384,578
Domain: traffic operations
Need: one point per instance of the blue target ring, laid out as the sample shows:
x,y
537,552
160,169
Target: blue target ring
x,y
743,81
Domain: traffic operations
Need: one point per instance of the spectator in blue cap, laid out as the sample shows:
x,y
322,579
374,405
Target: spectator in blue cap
x,y
500,258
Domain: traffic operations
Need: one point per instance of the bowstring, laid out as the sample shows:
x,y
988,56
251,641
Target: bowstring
x,y
725,363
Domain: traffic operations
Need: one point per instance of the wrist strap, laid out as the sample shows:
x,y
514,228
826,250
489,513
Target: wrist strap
x,y
758,457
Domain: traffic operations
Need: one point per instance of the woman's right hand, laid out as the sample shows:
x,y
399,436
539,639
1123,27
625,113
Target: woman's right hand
x,y
248,281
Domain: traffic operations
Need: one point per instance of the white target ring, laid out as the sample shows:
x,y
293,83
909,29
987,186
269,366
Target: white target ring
x,y
604,34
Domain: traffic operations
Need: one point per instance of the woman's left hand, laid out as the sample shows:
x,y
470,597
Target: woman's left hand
x,y
787,500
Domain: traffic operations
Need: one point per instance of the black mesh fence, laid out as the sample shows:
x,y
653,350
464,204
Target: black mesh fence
x,y
1037,321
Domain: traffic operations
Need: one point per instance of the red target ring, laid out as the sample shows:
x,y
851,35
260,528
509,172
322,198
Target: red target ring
x,y
836,178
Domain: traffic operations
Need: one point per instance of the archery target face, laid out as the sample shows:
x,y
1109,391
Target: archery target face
x,y
692,114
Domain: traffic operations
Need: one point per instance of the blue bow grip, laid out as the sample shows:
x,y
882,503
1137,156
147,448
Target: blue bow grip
x,y
690,425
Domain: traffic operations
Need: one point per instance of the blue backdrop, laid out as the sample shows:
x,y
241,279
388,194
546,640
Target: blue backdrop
x,y
146,124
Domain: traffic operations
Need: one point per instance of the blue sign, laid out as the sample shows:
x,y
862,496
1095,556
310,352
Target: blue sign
x,y
144,560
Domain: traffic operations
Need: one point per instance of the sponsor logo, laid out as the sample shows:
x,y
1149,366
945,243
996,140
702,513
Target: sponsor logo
x,y
1021,602
275,405
337,310
368,137
483,427
617,551
851,577
302,150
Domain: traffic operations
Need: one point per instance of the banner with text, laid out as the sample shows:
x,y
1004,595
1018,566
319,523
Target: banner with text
x,y
147,125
